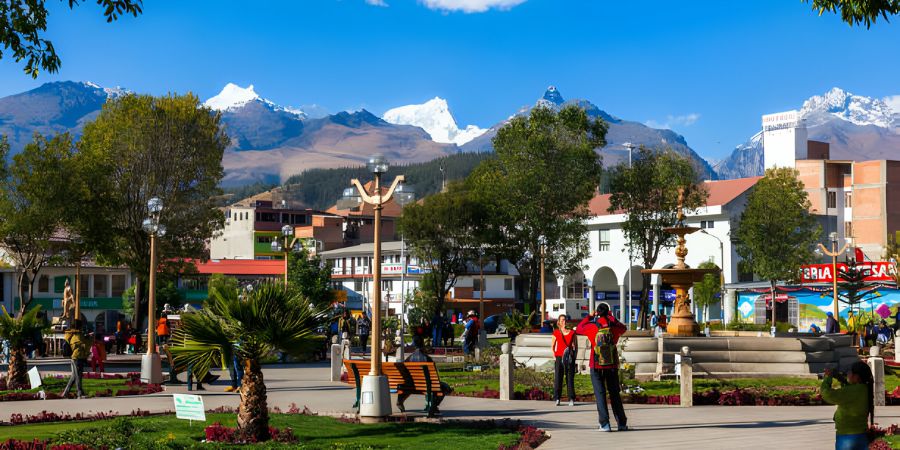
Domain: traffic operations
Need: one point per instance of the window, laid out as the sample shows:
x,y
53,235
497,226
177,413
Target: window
x,y
476,285
43,284
387,285
707,224
264,239
832,200
604,240
85,285
266,217
507,284
100,285
848,199
358,285
118,285
848,229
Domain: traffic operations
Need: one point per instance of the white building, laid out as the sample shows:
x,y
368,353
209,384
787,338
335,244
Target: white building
x,y
608,274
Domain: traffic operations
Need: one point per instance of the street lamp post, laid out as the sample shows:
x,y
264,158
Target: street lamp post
x,y
542,241
151,369
375,394
833,253
721,272
290,243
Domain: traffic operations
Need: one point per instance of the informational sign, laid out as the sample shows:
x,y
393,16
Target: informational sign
x,y
34,377
824,273
391,269
189,407
416,270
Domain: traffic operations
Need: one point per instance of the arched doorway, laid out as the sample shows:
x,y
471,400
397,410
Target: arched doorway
x,y
606,288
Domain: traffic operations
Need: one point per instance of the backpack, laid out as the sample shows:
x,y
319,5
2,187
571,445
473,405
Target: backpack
x,y
605,353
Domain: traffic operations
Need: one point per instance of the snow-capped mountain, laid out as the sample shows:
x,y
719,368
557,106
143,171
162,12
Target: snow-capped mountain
x,y
233,97
855,109
856,128
435,118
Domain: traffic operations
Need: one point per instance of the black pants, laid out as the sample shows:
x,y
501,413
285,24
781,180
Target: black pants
x,y
607,380
559,371
77,371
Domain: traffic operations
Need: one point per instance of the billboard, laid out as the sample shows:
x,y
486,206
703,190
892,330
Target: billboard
x,y
780,121
874,271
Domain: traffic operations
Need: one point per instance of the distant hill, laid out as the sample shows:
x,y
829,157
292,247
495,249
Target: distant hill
x,y
321,188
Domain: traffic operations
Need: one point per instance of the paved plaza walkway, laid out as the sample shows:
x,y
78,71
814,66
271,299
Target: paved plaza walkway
x,y
713,427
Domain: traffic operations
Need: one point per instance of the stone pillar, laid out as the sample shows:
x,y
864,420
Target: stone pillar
x,y
656,293
507,366
687,378
336,362
876,363
592,301
660,352
345,346
622,304
729,305
482,338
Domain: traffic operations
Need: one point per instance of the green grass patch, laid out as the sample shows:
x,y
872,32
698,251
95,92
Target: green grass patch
x,y
313,432
90,385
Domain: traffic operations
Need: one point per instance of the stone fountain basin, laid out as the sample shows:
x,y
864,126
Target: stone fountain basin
x,y
682,276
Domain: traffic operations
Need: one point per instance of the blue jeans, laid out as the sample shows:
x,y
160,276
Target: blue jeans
x,y
237,372
607,380
851,442
436,335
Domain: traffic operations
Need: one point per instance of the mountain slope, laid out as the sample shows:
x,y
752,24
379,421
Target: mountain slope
x,y
435,118
856,127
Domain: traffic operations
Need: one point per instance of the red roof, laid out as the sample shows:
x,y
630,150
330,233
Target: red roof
x,y
721,192
241,267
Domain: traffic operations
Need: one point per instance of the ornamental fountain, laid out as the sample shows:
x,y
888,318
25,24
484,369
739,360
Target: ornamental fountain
x,y
681,278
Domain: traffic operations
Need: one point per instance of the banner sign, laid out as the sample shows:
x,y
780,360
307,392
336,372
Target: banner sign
x,y
824,273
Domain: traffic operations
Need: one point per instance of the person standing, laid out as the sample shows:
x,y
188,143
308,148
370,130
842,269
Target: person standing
x,y
654,323
363,328
831,324
80,344
565,350
98,354
603,331
437,329
470,336
344,325
855,402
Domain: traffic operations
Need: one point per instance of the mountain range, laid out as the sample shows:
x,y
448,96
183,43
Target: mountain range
x,y
271,142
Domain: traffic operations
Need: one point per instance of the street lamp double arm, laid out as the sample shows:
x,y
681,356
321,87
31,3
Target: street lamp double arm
x,y
290,243
834,253
150,364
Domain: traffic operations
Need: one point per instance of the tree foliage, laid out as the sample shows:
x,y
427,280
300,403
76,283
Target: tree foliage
x,y
311,276
17,330
444,232
34,194
647,192
23,24
707,291
776,232
546,172
855,12
141,147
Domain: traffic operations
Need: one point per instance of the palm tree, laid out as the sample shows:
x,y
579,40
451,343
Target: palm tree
x,y
266,320
17,331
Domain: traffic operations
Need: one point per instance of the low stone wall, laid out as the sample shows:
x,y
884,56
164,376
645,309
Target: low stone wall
x,y
740,356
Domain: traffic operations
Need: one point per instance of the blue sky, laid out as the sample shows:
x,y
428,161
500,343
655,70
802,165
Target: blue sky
x,y
707,69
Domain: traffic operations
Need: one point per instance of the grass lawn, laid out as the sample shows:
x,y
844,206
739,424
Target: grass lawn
x,y
893,440
56,385
470,382
313,432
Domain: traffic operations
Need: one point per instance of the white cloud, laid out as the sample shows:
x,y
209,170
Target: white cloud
x,y
376,3
894,102
470,6
674,121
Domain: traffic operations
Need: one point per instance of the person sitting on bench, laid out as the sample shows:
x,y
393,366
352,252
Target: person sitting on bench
x,y
419,355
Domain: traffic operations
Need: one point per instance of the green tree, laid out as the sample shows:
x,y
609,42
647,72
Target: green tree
x,y
707,292
855,12
776,233
17,330
23,24
311,276
444,232
33,194
648,194
141,147
538,188
225,284
269,319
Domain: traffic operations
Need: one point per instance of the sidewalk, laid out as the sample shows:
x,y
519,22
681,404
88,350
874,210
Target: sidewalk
x,y
735,427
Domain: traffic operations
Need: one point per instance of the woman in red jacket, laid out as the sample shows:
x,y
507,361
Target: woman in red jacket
x,y
564,340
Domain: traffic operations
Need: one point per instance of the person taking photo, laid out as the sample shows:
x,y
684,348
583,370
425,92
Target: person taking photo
x,y
603,331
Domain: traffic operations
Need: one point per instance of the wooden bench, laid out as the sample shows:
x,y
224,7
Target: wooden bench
x,y
403,378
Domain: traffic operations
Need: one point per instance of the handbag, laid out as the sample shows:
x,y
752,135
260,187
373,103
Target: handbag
x,y
569,354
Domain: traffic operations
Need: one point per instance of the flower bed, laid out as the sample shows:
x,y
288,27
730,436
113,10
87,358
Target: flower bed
x,y
133,386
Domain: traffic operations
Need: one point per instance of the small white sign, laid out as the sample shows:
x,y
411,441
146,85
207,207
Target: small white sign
x,y
189,407
34,377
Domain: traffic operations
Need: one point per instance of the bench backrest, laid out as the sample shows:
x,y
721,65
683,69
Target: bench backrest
x,y
404,373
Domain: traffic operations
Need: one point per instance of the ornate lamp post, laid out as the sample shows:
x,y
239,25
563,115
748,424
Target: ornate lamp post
x,y
151,370
375,394
833,253
290,243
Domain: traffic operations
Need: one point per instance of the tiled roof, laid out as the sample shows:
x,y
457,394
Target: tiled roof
x,y
721,192
241,267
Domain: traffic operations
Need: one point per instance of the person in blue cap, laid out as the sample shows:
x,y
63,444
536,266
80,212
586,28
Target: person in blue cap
x,y
831,325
